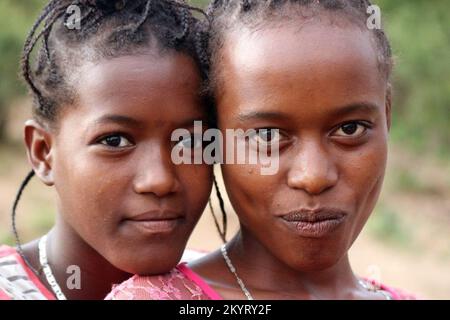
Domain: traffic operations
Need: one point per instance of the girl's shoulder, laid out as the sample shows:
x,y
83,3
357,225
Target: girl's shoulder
x,y
179,284
17,281
392,293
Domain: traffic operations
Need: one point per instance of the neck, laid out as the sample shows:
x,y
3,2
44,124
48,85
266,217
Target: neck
x,y
252,260
65,248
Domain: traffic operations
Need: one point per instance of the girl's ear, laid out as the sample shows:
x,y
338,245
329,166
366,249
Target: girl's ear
x,y
389,107
39,142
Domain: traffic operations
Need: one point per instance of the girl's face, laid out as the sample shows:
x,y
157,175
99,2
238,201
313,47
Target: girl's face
x,y
111,160
322,88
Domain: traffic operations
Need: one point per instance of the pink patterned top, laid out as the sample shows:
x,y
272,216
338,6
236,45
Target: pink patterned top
x,y
179,284
184,284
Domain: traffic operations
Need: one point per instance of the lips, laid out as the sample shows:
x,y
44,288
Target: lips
x,y
155,222
314,223
155,216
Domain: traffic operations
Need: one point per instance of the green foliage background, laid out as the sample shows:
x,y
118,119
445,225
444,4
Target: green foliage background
x,y
420,34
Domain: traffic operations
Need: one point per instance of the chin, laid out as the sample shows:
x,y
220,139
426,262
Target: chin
x,y
319,264
149,262
313,261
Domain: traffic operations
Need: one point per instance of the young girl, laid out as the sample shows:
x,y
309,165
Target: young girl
x,y
311,77
108,96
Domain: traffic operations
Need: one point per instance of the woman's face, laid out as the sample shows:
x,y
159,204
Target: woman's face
x,y
321,87
116,183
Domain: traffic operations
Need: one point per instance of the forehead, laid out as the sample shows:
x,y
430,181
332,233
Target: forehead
x,y
138,75
317,63
160,90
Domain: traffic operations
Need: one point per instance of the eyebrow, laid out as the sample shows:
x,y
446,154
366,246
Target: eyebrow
x,y
119,119
339,112
133,123
261,115
365,107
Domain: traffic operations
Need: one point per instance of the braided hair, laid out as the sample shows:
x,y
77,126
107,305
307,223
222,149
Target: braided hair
x,y
107,29
225,15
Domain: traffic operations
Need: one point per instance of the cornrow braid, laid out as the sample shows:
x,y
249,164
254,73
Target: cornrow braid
x,y
224,15
222,231
30,43
13,218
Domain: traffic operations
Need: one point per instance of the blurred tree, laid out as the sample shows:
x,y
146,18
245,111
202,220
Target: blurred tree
x,y
420,36
15,19
199,3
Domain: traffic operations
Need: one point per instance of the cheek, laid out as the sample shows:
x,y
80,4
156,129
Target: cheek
x,y
85,183
364,168
196,180
362,176
249,191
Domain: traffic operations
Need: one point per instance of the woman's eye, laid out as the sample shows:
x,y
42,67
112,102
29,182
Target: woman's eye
x,y
193,142
351,129
267,136
116,141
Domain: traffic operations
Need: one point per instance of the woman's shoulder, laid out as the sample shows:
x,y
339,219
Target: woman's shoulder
x,y
179,284
17,281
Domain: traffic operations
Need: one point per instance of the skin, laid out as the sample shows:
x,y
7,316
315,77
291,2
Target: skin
x,y
311,84
104,186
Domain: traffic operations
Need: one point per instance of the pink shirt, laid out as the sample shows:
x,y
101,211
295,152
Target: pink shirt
x,y
182,283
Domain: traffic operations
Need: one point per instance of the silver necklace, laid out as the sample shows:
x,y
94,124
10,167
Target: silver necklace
x,y
233,271
247,293
43,260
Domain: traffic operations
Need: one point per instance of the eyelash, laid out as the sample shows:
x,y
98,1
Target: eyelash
x,y
366,125
99,141
283,137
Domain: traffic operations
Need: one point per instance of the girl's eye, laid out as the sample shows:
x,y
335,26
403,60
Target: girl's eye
x,y
267,136
351,130
116,141
193,142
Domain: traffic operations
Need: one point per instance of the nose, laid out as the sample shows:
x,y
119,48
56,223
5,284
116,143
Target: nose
x,y
312,170
156,174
